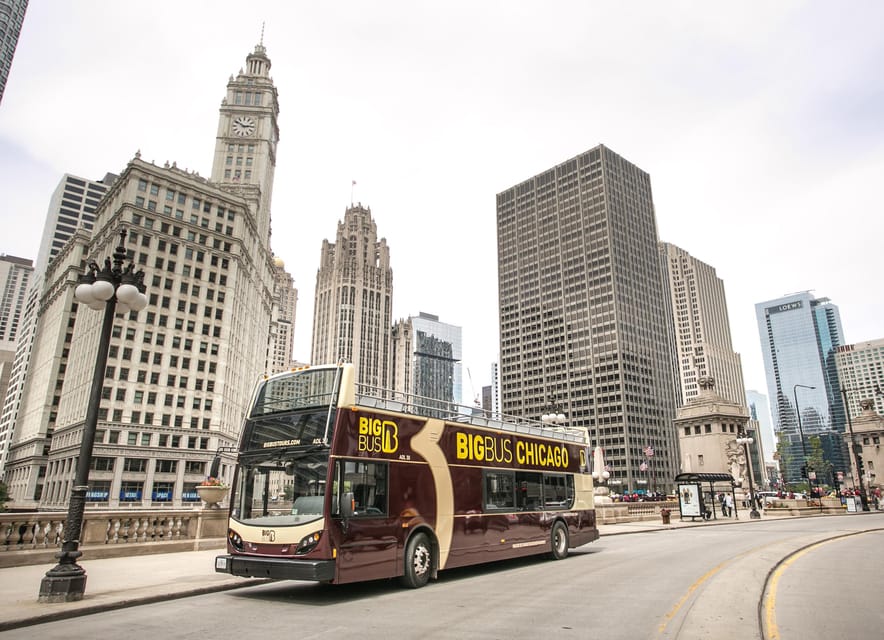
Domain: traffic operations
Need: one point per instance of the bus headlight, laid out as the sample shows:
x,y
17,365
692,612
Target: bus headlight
x,y
235,539
308,543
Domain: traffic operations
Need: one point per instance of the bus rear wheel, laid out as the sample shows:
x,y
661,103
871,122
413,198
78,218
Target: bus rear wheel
x,y
418,561
559,541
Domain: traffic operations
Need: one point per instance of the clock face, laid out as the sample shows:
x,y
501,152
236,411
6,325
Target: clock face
x,y
243,126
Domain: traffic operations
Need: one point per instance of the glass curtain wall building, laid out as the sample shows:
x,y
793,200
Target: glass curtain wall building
x,y
799,336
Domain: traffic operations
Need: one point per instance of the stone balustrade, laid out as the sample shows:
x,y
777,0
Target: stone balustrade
x,y
34,537
614,512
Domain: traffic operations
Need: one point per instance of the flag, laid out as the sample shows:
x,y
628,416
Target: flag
x,y
649,451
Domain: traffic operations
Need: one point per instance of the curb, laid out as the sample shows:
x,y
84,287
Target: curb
x,y
103,607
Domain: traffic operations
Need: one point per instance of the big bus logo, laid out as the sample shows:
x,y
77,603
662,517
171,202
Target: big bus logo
x,y
378,436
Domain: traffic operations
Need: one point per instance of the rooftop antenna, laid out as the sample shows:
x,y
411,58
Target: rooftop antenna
x,y
262,33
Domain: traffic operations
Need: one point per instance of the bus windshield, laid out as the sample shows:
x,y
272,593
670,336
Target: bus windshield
x,y
280,490
304,389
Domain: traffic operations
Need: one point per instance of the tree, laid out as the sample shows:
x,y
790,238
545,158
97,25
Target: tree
x,y
784,456
817,462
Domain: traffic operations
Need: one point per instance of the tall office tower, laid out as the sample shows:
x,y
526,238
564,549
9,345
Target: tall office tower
x,y
702,329
759,410
487,403
860,369
495,390
15,280
799,335
282,326
427,356
353,306
12,15
179,374
72,206
584,317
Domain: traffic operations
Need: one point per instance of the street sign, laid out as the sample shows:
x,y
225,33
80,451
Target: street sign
x,y
811,475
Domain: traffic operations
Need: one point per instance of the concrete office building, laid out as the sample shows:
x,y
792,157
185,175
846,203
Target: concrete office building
x,y
759,410
71,207
353,306
15,281
702,329
282,332
179,374
12,16
584,321
799,336
860,368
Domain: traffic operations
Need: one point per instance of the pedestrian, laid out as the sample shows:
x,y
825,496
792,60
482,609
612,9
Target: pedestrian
x,y
729,503
722,504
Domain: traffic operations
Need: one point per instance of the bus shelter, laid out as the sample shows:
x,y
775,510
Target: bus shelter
x,y
697,494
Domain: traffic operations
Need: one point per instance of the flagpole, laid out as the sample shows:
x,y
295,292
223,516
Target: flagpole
x,y
352,184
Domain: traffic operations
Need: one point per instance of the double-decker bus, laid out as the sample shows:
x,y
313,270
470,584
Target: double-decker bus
x,y
339,484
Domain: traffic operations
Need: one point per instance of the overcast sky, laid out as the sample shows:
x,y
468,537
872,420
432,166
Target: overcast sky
x,y
761,125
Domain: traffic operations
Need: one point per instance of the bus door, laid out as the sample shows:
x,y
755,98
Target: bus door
x,y
368,539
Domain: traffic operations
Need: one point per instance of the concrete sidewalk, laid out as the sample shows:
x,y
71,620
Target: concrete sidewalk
x,y
114,583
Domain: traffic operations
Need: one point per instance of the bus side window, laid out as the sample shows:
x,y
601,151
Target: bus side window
x,y
499,490
529,490
558,491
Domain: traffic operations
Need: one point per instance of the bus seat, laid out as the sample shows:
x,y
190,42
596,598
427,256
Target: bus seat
x,y
308,505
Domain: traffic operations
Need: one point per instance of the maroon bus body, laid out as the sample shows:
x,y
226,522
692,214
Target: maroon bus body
x,y
371,548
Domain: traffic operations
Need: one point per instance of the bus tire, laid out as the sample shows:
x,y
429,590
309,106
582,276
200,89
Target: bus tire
x,y
559,541
418,561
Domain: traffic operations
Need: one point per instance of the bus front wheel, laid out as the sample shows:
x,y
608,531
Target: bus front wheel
x,y
559,541
418,561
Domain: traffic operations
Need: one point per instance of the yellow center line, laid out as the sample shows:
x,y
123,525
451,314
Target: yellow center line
x,y
669,616
772,632
678,605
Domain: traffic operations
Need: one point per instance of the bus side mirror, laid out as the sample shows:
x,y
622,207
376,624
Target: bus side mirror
x,y
348,505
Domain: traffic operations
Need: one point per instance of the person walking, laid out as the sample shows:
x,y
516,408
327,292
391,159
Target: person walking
x,y
729,504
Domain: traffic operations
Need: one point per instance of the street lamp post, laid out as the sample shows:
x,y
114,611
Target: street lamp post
x,y
853,450
745,440
116,290
800,431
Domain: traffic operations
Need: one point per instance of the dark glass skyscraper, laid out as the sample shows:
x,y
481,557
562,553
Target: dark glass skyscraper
x,y
584,315
799,335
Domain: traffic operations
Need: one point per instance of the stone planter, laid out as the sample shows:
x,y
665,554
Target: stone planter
x,y
212,496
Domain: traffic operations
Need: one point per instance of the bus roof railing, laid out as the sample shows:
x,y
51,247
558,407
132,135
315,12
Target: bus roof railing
x,y
398,401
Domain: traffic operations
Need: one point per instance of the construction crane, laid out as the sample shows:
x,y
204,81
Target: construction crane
x,y
473,389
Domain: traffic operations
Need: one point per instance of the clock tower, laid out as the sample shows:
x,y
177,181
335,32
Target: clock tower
x,y
248,132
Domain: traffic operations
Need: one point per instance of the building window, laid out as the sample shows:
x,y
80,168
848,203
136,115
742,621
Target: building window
x,y
167,466
135,464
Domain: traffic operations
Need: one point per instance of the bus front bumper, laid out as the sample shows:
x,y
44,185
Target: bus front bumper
x,y
276,569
